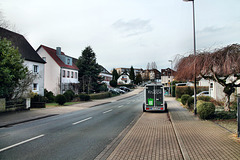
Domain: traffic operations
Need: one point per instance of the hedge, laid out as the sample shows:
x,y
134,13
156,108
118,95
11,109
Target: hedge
x,y
180,90
184,99
100,95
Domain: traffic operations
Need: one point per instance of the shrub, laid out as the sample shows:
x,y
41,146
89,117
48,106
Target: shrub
x,y
100,95
226,115
60,99
49,96
84,97
204,98
113,83
190,103
184,99
206,110
180,90
102,88
69,95
38,98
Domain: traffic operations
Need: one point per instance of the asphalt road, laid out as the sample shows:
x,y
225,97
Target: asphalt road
x,y
78,135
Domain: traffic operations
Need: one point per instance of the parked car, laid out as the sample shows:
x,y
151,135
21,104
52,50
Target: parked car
x,y
113,91
119,90
124,88
203,93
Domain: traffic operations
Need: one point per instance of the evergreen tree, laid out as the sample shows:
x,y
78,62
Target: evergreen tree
x,y
132,74
88,71
115,75
12,69
138,79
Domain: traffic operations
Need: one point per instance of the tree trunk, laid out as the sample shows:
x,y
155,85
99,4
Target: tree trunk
x,y
227,103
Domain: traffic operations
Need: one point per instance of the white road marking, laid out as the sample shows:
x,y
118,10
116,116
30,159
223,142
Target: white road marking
x,y
107,111
120,106
82,120
17,144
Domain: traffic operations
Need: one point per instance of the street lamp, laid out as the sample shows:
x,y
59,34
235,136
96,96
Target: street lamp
x,y
194,46
170,78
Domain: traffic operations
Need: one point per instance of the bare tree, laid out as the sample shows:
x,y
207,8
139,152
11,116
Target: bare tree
x,y
221,65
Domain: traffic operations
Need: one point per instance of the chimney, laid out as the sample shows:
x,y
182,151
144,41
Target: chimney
x,y
58,50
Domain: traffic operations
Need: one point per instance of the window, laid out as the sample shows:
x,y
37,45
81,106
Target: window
x,y
71,74
35,68
68,74
76,75
35,87
64,74
68,61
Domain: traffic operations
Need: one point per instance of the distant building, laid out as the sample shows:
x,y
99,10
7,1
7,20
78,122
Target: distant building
x,y
151,74
31,58
60,72
124,79
106,75
167,76
127,70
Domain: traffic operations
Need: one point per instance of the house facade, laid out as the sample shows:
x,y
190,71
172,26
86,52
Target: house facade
x,y
151,74
32,60
124,79
60,72
167,76
127,70
106,75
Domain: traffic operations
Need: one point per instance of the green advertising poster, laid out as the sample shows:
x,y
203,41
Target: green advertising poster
x,y
150,102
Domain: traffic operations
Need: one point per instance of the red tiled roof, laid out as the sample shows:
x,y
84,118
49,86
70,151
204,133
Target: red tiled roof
x,y
52,53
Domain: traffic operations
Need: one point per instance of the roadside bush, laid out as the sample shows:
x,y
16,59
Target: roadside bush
x,y
204,98
184,99
49,96
180,90
102,88
60,99
69,95
113,83
84,97
225,115
233,106
190,103
38,98
206,110
100,95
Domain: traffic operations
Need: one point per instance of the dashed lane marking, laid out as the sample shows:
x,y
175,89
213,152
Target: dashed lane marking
x,y
82,120
17,144
107,111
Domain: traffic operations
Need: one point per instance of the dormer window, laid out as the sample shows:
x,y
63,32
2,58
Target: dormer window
x,y
68,61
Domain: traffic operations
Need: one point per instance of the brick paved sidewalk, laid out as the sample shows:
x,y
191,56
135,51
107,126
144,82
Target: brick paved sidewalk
x,y
201,139
154,136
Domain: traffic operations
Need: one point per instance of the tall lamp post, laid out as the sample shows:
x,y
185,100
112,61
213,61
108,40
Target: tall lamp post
x,y
170,78
194,46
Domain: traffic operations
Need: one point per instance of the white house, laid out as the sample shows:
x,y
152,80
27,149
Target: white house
x,y
60,72
31,58
124,79
106,75
167,76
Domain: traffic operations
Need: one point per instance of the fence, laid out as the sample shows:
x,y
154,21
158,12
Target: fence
x,y
13,105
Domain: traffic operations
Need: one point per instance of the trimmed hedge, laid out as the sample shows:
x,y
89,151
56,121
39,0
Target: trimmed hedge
x,y
226,115
204,98
206,110
181,90
184,99
84,97
100,95
69,95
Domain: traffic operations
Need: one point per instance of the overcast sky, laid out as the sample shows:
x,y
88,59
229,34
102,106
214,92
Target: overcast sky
x,y
125,32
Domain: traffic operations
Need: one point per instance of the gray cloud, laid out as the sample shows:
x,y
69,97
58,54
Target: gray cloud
x,y
132,27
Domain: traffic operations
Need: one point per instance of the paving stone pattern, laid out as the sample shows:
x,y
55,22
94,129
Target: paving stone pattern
x,y
152,137
201,139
